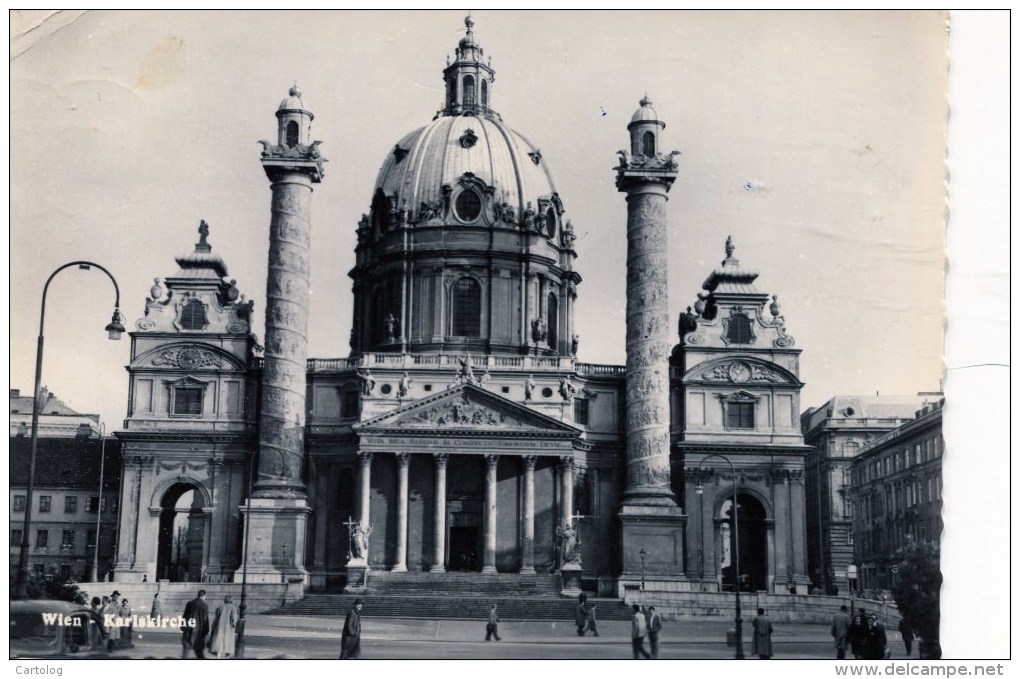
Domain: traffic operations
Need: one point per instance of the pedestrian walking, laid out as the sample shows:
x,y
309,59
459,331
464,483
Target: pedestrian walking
x,y
875,645
350,638
195,626
592,626
581,617
840,632
111,610
492,627
858,631
221,643
907,634
638,630
157,607
654,627
761,641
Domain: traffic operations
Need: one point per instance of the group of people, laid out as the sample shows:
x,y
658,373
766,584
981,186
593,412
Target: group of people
x,y
113,606
865,636
196,628
645,623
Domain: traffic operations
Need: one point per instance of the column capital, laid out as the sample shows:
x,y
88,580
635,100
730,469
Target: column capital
x,y
529,462
491,460
365,459
441,459
566,462
403,459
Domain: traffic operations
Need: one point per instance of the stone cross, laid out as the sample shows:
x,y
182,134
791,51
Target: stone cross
x,y
577,517
350,523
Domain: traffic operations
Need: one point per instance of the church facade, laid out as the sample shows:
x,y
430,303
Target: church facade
x,y
462,433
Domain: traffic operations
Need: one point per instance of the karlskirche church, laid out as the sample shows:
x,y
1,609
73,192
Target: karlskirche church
x,y
463,433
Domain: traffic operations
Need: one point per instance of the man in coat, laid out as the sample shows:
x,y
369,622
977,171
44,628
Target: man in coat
x,y
581,616
221,643
111,611
875,642
841,632
761,640
907,634
350,639
195,626
654,627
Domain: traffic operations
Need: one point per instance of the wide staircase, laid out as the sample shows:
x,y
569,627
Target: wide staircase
x,y
456,596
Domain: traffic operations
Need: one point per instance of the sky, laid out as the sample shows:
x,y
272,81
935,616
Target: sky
x,y
817,140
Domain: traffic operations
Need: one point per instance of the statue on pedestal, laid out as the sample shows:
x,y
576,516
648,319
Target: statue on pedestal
x,y
359,540
570,545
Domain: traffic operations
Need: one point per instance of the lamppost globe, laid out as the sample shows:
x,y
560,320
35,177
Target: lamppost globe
x,y
115,328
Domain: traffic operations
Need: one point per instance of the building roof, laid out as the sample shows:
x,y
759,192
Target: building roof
x,y
65,462
51,405
848,408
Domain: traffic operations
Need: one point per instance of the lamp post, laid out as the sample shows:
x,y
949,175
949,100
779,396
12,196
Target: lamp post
x,y
242,609
738,623
114,329
94,574
642,554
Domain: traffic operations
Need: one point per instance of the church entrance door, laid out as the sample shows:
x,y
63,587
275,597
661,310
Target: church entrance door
x,y
464,541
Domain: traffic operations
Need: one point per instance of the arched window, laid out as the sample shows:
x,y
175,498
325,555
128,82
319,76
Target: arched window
x,y
193,315
469,91
292,134
467,308
648,144
738,330
485,93
554,319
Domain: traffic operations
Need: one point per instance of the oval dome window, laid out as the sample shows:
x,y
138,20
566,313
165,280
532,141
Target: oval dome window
x,y
468,206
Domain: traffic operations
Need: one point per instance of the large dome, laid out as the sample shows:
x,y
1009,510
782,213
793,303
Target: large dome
x,y
466,246
442,152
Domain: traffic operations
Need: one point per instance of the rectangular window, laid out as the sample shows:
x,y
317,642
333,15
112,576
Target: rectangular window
x,y
16,537
67,540
739,415
849,537
188,401
42,539
70,504
65,572
37,568
350,404
91,503
848,507
90,539
581,411
19,503
45,504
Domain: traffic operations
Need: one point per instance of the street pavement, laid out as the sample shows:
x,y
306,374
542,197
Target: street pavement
x,y
272,636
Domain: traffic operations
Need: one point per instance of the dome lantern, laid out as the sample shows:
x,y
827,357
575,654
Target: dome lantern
x,y
468,79
644,130
295,121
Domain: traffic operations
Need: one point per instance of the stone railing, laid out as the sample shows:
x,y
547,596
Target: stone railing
x,y
453,362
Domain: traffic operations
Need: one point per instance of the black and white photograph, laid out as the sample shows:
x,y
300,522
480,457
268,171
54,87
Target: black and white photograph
x,y
328,343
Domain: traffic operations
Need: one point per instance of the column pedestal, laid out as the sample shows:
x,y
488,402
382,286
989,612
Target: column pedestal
x,y
660,532
570,580
276,550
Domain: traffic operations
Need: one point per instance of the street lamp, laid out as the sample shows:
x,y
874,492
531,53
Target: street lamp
x,y
85,430
642,554
242,610
737,622
114,329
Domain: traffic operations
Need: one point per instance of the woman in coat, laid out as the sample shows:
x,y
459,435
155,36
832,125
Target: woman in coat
x,y
761,641
222,642
858,631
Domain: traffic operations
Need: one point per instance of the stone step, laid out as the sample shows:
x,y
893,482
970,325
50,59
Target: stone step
x,y
453,607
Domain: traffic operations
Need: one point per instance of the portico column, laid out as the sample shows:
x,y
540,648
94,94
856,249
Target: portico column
x,y
439,540
403,462
489,556
364,487
566,489
528,544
